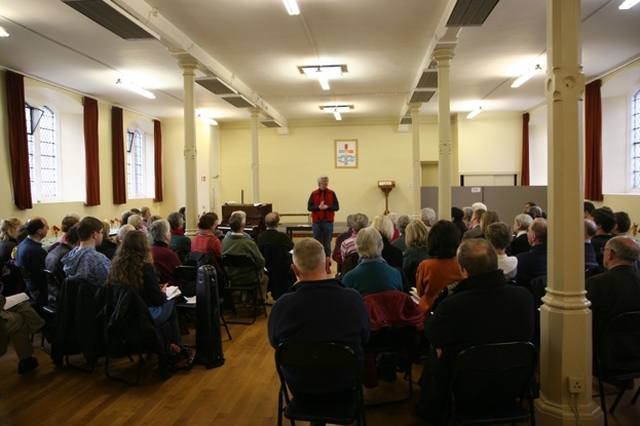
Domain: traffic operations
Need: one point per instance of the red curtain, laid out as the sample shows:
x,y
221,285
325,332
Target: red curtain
x,y
524,177
91,151
157,158
18,145
593,141
117,151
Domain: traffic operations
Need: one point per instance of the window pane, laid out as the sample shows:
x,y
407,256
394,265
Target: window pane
x,y
635,140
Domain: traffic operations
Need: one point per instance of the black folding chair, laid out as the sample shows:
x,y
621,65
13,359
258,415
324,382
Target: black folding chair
x,y
319,363
490,383
244,265
617,356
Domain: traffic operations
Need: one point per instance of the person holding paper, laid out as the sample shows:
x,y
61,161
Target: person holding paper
x,y
133,265
18,321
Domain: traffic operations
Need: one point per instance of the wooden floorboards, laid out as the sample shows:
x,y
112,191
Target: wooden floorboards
x,y
241,392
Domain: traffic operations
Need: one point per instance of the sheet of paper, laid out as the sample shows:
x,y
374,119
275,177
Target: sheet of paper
x,y
14,300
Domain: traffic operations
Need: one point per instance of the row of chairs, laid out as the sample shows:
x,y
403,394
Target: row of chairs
x,y
489,386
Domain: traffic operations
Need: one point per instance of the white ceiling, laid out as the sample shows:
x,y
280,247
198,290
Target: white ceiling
x,y
256,47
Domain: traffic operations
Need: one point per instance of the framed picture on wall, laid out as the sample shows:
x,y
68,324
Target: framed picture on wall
x,y
346,153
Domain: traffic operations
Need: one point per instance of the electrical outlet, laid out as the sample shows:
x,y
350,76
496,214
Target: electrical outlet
x,y
576,385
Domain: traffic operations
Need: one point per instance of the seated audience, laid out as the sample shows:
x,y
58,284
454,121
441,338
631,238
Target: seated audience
x,y
533,263
205,241
238,244
145,212
479,206
528,205
53,261
18,323
133,266
499,235
372,274
396,231
441,269
85,262
180,243
303,316
30,259
623,224
474,225
456,218
417,235
136,221
588,209
590,260
68,221
336,255
348,246
403,221
107,247
125,217
605,221
242,214
482,309
428,216
8,241
536,212
618,289
468,214
391,254
122,232
520,243
164,259
271,235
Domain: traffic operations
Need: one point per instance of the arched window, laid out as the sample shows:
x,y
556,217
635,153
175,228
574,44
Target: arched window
x,y
43,153
136,180
635,140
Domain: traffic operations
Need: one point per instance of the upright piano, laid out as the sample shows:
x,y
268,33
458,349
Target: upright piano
x,y
255,217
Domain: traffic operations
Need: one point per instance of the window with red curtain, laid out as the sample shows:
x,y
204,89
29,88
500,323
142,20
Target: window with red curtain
x,y
157,158
524,177
18,148
91,151
593,141
117,151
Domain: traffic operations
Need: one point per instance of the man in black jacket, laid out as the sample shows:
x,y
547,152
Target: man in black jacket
x,y
617,290
483,309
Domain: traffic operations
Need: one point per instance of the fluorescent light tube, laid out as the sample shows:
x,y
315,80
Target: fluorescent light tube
x,y
206,119
526,76
474,113
292,7
337,115
628,4
136,89
3,32
324,83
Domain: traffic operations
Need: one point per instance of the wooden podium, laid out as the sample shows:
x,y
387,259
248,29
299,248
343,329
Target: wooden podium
x,y
255,217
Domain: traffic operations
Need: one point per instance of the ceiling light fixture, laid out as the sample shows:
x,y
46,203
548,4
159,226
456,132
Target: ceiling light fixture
x,y
526,76
474,113
206,119
628,4
292,7
3,32
323,73
336,110
135,88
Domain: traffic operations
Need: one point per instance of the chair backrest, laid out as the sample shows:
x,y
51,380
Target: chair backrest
x,y
350,262
240,270
619,345
316,364
278,263
198,258
53,285
494,373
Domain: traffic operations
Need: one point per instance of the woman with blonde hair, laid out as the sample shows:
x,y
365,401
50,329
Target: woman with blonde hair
x,y
133,266
390,253
8,241
417,234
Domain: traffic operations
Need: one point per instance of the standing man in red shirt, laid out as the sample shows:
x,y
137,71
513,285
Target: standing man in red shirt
x,y
323,203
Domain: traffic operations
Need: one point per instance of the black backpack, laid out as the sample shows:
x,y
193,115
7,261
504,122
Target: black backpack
x,y
11,280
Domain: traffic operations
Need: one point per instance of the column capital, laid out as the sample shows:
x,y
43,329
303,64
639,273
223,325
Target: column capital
x,y
254,111
415,106
442,55
188,62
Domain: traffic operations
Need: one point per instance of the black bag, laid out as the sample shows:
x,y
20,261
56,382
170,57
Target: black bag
x,y
11,280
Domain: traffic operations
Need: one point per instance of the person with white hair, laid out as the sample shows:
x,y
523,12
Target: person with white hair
x,y
520,243
164,258
479,205
428,216
373,274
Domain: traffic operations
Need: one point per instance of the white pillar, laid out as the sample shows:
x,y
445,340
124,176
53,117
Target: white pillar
x,y
565,318
417,167
443,57
189,66
255,156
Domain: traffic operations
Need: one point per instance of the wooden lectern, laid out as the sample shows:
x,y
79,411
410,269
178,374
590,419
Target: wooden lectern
x,y
386,186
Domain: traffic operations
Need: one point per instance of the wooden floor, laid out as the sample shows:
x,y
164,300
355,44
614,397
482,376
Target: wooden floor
x,y
241,392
